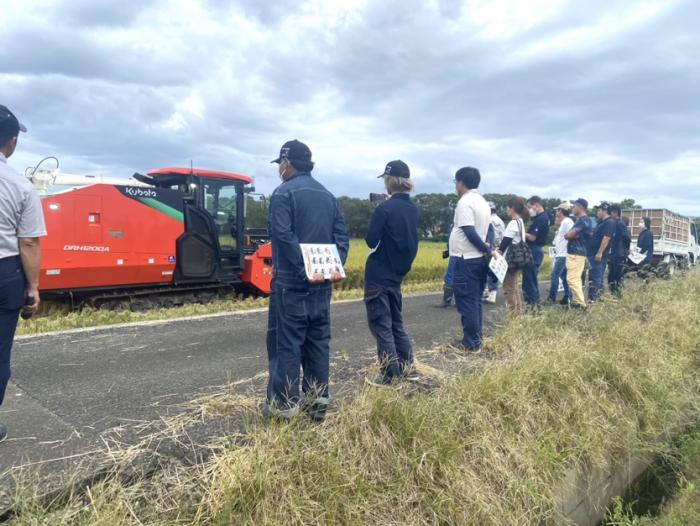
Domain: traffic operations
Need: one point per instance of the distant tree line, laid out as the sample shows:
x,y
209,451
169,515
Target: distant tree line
x,y
437,212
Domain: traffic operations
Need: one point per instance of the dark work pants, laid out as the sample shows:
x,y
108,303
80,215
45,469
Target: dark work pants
x,y
531,289
298,337
615,272
596,277
386,325
469,282
12,286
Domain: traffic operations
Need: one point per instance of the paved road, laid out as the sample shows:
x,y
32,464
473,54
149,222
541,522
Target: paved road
x,y
67,389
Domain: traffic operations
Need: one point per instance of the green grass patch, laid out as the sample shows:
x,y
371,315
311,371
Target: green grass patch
x,y
564,391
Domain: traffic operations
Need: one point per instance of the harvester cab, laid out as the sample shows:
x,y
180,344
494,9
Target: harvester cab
x,y
213,245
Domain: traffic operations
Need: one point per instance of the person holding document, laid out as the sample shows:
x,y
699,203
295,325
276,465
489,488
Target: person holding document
x,y
302,211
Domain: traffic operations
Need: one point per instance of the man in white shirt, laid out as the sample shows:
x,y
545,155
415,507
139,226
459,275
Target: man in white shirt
x,y
470,252
21,226
560,252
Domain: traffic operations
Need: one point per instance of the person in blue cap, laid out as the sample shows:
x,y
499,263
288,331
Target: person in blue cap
x,y
299,318
598,251
392,238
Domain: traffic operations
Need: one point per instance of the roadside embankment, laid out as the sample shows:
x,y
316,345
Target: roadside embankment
x,y
564,392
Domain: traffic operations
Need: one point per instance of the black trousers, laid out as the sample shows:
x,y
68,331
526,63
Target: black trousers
x,y
615,272
385,320
12,286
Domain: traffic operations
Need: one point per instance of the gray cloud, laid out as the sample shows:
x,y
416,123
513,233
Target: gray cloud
x,y
551,98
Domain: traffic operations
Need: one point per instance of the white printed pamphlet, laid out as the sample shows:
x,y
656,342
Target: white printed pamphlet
x,y
499,267
552,253
636,257
321,259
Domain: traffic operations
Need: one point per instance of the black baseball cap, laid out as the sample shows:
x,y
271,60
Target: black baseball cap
x,y
581,202
294,151
10,123
604,206
397,169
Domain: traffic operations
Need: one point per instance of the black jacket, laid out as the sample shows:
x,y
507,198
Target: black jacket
x,y
393,232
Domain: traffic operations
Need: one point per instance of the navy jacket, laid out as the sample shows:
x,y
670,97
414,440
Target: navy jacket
x,y
619,246
646,245
393,230
302,211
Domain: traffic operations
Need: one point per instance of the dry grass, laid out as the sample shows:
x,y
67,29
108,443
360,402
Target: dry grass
x,y
560,392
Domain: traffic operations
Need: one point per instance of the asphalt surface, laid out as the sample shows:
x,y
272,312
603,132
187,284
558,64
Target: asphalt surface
x,y
67,390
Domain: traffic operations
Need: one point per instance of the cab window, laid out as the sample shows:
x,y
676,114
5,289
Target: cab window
x,y
220,202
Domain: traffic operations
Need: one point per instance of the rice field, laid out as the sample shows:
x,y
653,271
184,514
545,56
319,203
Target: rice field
x,y
425,276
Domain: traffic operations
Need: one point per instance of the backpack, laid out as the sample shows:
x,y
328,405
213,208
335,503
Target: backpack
x,y
519,255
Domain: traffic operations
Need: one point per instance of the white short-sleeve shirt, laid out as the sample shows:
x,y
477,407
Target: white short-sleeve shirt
x,y
515,230
560,242
472,210
21,214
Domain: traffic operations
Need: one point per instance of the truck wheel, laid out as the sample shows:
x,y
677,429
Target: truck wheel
x,y
671,268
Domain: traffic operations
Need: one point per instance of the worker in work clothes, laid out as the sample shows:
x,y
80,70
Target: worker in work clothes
x,y
598,250
645,242
619,248
393,241
21,226
536,239
469,249
299,320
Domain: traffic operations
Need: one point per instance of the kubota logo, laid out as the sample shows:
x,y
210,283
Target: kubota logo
x,y
85,248
135,191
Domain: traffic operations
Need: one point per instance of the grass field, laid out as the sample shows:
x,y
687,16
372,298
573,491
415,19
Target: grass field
x,y
425,276
556,391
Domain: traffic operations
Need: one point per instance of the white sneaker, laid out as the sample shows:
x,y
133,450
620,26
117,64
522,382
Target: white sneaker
x,y
491,297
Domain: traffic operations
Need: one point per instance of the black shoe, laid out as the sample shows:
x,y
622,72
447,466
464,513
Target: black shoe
x,y
564,302
317,412
447,293
3,433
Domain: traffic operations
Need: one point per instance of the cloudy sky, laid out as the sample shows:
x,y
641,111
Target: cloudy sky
x,y
598,99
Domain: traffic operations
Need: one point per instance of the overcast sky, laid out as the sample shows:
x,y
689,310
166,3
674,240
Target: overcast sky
x,y
598,99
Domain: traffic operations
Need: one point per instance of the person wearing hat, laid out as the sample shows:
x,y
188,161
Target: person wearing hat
x,y
565,223
392,238
299,323
577,249
496,234
468,246
598,251
21,226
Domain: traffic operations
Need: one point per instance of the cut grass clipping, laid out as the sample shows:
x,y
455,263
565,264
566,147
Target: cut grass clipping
x,y
564,391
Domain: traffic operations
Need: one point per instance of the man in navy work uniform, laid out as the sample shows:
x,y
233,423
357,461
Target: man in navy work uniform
x,y
21,226
299,318
598,250
536,239
618,250
645,242
468,247
393,240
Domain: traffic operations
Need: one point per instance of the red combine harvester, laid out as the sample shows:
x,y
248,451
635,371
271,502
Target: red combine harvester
x,y
174,235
